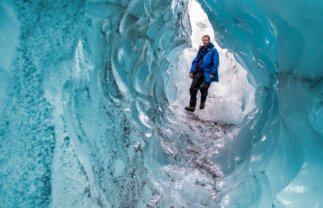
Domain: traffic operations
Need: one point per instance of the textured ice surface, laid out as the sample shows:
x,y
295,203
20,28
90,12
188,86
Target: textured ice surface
x,y
85,119
278,152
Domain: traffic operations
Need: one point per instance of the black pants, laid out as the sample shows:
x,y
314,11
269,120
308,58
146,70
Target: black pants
x,y
199,83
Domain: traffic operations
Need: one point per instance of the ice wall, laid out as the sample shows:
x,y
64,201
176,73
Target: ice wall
x,y
278,154
81,90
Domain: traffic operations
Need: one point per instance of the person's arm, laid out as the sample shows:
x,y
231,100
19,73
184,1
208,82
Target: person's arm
x,y
195,61
215,62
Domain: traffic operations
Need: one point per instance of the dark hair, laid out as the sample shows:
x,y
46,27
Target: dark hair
x,y
206,36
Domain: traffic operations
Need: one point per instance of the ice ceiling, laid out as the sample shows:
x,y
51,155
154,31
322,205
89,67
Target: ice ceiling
x,y
88,116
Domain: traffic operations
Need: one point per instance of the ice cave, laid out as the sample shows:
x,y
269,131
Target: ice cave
x,y
92,96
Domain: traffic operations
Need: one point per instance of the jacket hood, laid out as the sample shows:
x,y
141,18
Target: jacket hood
x,y
210,45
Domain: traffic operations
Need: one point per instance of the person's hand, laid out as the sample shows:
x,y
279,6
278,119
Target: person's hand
x,y
191,75
212,76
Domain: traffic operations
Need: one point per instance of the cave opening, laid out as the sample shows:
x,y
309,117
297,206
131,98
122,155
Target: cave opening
x,y
230,99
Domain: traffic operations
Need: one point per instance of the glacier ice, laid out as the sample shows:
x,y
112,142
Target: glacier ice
x,y
279,150
87,113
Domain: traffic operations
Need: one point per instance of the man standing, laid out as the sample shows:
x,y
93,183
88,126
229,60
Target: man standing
x,y
204,70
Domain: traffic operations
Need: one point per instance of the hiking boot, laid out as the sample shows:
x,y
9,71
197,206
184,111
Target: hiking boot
x,y
189,108
202,106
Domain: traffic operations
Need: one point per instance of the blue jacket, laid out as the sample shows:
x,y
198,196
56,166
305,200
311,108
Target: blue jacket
x,y
209,64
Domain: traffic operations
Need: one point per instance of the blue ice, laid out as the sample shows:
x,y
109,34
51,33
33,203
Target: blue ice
x,y
87,116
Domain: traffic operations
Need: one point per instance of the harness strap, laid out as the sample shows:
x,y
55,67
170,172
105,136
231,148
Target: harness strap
x,y
199,63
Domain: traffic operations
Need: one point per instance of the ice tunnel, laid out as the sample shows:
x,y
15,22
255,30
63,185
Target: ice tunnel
x,y
90,116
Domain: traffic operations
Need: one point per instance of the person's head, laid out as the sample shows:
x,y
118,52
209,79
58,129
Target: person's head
x,y
205,40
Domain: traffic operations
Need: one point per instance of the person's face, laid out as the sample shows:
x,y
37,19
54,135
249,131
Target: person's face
x,y
205,41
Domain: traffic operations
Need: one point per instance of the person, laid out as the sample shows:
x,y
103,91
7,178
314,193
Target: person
x,y
204,71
